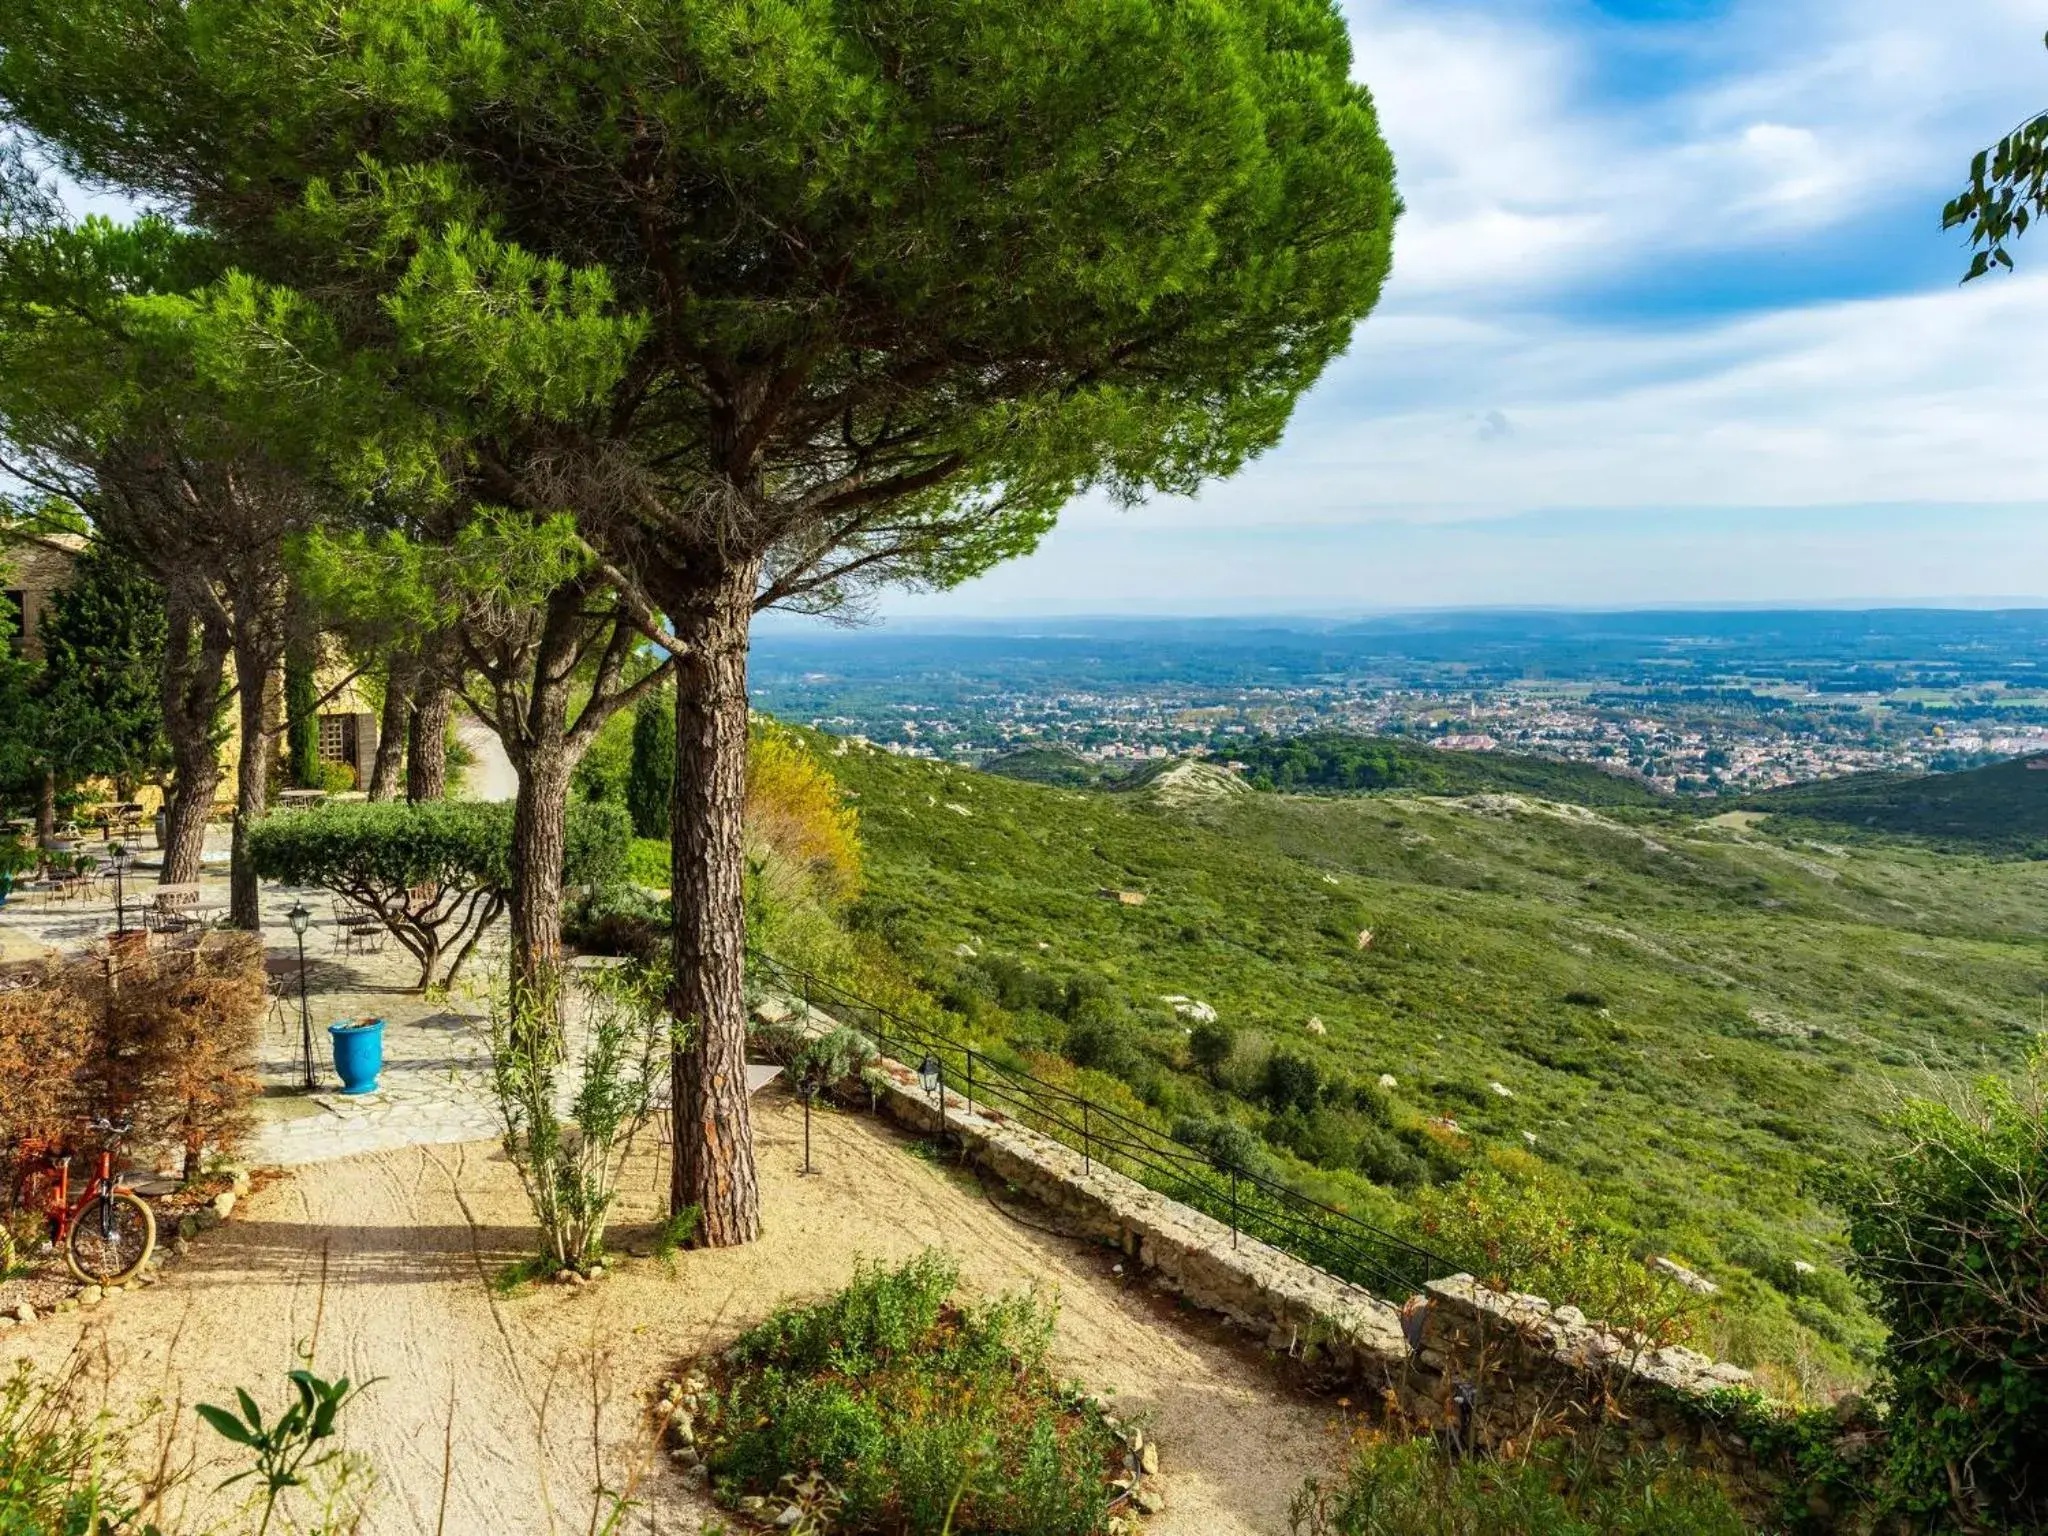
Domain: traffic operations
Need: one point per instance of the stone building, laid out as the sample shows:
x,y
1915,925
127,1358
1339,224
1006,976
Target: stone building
x,y
32,573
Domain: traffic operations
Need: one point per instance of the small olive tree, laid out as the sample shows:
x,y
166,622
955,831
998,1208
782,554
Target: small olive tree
x,y
570,1162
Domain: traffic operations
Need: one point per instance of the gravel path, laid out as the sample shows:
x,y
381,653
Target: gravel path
x,y
547,1384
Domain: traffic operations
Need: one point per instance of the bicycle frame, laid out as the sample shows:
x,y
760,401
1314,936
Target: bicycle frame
x,y
59,1209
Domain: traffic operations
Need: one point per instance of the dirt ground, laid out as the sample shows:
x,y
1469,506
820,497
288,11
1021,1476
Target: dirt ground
x,y
529,1402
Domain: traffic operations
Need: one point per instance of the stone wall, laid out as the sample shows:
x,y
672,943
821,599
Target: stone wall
x,y
1478,1366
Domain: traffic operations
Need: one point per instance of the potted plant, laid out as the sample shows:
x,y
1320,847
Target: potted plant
x,y
358,1053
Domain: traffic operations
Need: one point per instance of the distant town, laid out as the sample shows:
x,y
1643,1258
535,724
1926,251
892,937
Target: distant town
x,y
1696,704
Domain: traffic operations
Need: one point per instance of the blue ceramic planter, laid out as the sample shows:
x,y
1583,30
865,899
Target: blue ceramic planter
x,y
358,1053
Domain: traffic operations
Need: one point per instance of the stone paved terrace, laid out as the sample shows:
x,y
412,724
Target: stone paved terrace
x,y
436,1086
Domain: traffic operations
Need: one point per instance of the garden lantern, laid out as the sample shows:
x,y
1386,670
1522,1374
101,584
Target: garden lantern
x,y
932,1073
301,920
120,857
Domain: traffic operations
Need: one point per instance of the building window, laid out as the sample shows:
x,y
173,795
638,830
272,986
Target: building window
x,y
13,617
338,739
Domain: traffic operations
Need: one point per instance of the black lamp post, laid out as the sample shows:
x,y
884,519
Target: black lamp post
x,y
301,920
120,857
931,1072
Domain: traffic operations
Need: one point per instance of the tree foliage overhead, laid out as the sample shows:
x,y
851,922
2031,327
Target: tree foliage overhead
x,y
873,288
777,299
2008,190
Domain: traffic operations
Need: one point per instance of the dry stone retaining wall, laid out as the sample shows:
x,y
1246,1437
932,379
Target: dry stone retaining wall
x,y
1485,1367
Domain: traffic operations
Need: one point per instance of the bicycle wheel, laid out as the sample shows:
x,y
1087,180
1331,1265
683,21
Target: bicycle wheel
x,y
112,1239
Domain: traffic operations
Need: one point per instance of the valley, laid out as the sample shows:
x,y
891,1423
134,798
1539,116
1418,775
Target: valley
x,y
1696,1015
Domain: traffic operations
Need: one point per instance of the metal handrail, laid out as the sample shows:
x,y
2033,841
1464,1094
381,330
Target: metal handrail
x,y
1319,1234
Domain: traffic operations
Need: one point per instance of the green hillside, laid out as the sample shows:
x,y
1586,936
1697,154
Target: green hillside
x,y
1688,1015
2000,809
1340,761
1049,765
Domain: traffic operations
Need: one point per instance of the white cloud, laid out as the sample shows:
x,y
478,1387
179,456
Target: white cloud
x,y
1544,163
1522,171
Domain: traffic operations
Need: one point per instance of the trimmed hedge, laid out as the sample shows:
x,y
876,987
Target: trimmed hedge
x,y
438,873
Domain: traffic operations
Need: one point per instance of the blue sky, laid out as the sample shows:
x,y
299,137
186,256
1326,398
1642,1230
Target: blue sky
x,y
1672,321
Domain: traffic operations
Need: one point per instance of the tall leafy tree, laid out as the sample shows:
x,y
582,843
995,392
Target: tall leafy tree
x,y
545,652
652,777
124,396
779,301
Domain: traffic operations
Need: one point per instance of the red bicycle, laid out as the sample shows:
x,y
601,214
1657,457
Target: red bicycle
x,y
109,1232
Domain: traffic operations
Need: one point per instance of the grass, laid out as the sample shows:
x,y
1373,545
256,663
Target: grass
x,y
1394,1487
895,1407
1690,1017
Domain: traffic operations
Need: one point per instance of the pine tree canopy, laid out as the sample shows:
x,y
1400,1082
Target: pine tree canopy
x,y
866,289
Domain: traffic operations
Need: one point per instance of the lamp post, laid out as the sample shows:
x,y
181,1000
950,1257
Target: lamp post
x,y
931,1072
301,920
120,857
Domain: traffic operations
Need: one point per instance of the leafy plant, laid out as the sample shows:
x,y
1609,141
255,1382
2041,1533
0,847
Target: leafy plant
x,y
1516,1224
570,1166
66,1469
830,1061
296,1451
922,1414
1413,1487
1950,1232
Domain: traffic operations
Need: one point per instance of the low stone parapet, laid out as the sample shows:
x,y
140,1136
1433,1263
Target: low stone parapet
x,y
1484,1368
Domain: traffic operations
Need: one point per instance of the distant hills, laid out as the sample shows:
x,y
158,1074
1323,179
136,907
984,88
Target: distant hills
x,y
2001,809
1338,762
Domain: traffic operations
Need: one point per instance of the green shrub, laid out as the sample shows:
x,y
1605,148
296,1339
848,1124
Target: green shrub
x,y
570,1164
1211,1045
1385,1159
1225,1143
622,920
649,863
921,1413
1416,1488
1950,1236
1290,1082
437,873
1099,1035
650,781
1315,1136
1516,1224
601,776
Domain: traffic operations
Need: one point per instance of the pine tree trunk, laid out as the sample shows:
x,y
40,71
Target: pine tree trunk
x,y
194,662
302,712
255,660
540,816
426,752
391,733
713,1166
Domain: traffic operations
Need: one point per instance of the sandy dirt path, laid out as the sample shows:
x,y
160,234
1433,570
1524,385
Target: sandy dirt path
x,y
547,1384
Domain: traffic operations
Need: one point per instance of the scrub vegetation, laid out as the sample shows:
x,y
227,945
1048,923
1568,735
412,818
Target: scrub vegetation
x,y
1674,1020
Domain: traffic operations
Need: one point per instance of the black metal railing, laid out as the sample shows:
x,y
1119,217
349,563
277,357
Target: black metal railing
x,y
1252,1204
